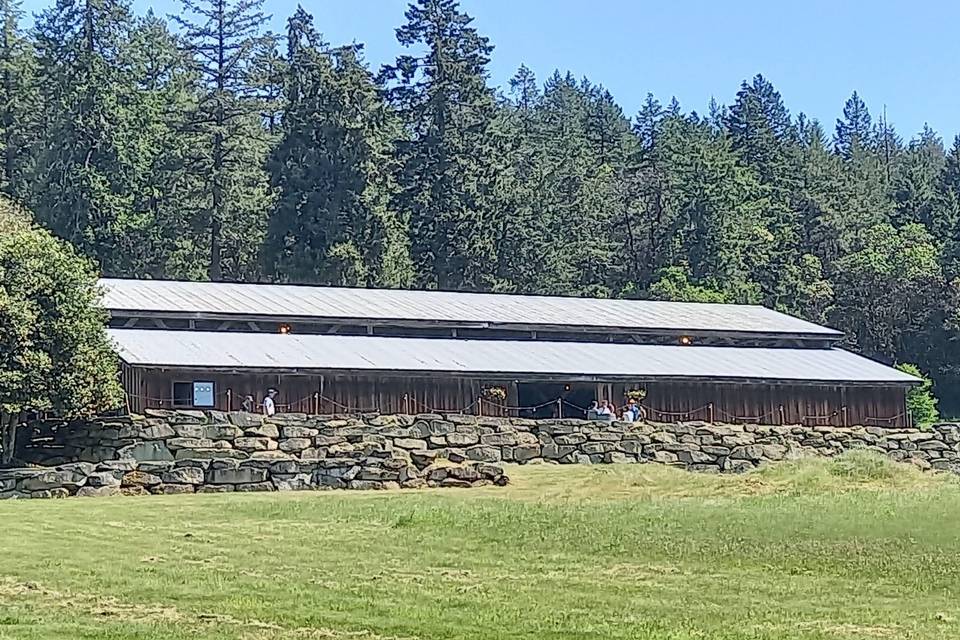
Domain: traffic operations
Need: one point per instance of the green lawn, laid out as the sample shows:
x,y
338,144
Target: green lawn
x,y
854,548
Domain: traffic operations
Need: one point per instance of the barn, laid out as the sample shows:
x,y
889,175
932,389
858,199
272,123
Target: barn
x,y
350,350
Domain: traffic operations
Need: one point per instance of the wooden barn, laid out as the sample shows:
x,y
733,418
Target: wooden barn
x,y
341,350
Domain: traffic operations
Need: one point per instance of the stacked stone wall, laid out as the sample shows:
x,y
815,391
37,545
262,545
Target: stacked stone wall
x,y
193,451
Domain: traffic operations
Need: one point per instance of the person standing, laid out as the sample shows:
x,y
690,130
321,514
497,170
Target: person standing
x,y
248,404
269,406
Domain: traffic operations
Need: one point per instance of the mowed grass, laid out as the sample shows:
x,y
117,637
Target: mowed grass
x,y
851,548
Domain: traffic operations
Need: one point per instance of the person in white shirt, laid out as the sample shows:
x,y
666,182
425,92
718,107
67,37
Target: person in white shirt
x,y
269,408
604,411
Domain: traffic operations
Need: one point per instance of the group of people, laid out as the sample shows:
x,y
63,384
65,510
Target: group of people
x,y
604,410
268,406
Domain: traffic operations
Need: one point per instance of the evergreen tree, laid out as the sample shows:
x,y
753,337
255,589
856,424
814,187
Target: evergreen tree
x,y
765,139
166,95
230,194
575,196
333,223
19,103
761,131
854,130
526,98
451,160
916,184
85,184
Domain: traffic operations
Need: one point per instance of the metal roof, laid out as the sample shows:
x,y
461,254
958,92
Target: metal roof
x,y
224,299
229,350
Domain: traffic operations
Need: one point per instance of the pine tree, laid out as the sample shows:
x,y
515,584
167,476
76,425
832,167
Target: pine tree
x,y
865,192
266,80
166,85
19,103
761,132
452,159
607,130
915,185
333,170
523,239
765,139
575,196
854,130
230,190
84,184
526,97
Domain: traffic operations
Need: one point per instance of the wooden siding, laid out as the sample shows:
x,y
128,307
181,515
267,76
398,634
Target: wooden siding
x,y
665,401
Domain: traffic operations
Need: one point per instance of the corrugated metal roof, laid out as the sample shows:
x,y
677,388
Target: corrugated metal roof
x,y
195,349
332,303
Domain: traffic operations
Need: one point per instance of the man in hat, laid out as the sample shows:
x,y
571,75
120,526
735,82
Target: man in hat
x,y
269,407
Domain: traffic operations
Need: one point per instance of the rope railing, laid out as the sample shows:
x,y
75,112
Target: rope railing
x,y
757,418
889,420
815,417
314,403
504,407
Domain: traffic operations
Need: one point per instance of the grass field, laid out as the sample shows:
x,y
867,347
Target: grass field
x,y
854,548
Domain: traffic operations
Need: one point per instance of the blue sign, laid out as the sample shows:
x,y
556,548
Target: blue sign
x,y
203,394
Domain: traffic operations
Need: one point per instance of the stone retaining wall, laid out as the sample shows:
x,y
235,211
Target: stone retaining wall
x,y
188,451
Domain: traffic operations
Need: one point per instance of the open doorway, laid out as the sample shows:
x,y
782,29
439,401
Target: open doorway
x,y
543,396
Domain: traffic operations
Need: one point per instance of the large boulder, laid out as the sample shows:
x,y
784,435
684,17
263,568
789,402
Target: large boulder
x,y
243,475
184,475
149,450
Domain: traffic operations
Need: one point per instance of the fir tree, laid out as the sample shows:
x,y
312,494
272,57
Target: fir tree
x,y
451,161
333,223
854,130
85,186
19,102
230,191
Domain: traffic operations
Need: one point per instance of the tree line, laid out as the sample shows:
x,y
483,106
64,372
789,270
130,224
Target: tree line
x,y
203,146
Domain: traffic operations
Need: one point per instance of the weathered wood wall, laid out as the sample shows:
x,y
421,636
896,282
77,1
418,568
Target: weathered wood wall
x,y
318,394
665,401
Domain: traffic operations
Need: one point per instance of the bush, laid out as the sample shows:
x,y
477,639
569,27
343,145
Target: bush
x,y
921,403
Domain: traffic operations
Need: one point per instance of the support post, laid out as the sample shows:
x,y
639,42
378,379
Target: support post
x,y
229,400
480,406
559,407
710,413
406,404
783,418
316,404
843,415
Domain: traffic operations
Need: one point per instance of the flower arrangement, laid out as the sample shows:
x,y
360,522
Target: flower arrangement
x,y
636,394
495,393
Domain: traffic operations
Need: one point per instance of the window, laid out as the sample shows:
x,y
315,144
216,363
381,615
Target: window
x,y
183,394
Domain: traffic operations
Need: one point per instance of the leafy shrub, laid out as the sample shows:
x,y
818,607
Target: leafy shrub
x,y
921,403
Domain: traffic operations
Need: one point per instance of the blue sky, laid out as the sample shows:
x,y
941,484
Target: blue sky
x,y
905,55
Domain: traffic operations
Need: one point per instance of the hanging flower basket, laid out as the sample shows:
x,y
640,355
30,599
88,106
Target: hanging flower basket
x,y
636,394
495,393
